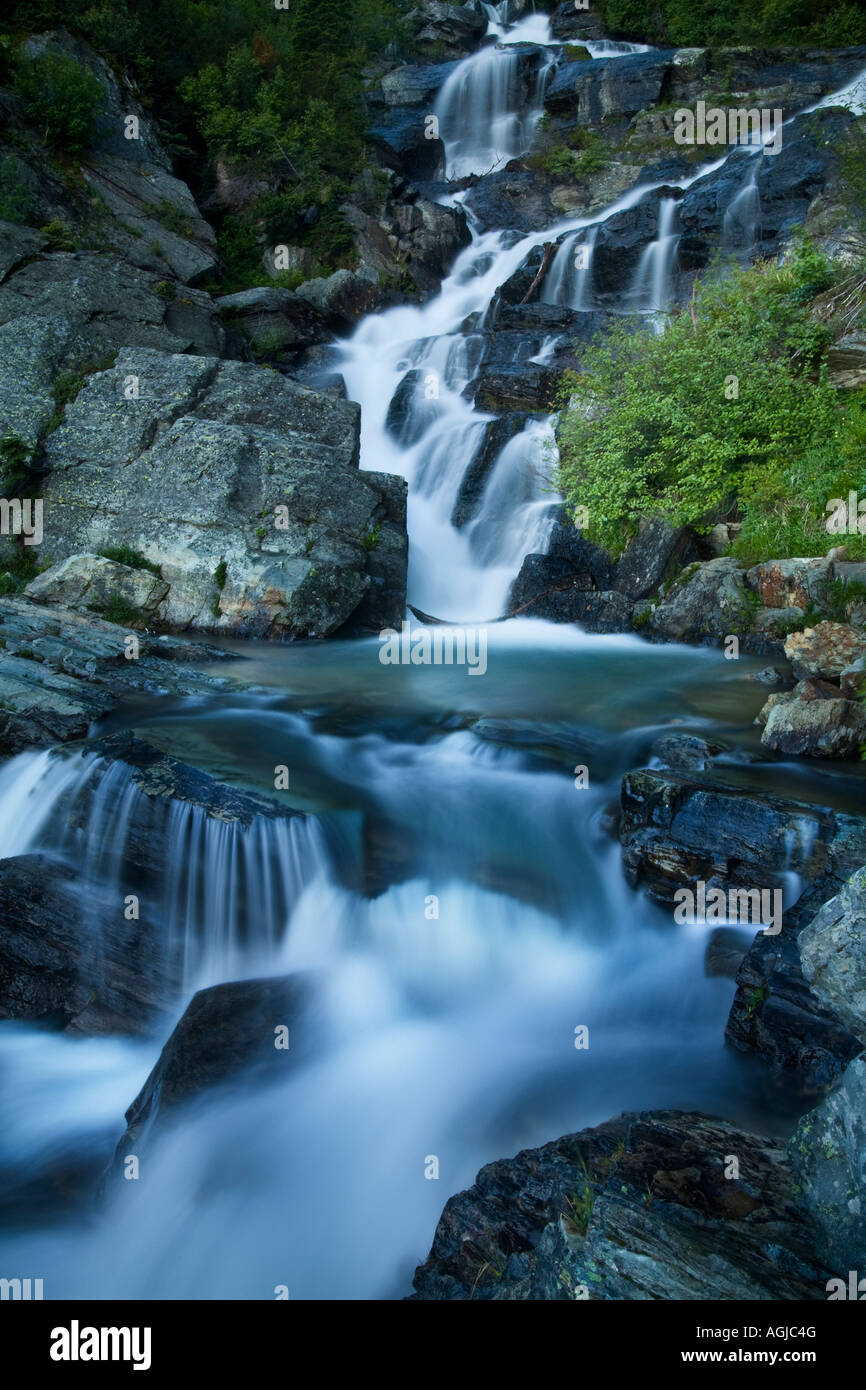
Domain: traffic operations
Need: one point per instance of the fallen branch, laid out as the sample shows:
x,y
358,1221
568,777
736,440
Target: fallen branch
x,y
550,249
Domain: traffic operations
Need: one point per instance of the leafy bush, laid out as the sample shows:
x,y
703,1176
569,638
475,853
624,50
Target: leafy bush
x,y
678,439
706,22
126,555
60,98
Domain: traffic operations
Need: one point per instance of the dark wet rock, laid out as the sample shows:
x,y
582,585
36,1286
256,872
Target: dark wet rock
x,y
401,137
557,585
496,435
651,557
619,245
161,777
828,1157
776,1016
684,752
68,957
640,1207
415,407
726,949
605,612
678,828
521,199
607,88
227,1034
776,1013
448,30
788,183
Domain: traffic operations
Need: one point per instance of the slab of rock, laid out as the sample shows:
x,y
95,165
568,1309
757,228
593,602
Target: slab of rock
x,y
90,582
191,474
70,960
792,583
650,557
707,601
638,1208
227,1032
274,320
833,954
678,827
813,722
828,1156
61,670
825,650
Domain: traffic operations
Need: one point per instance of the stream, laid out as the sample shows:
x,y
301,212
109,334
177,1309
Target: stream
x,y
456,899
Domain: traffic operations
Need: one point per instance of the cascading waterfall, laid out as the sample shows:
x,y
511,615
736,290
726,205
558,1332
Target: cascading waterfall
x,y
742,220
226,889
447,1032
652,288
569,279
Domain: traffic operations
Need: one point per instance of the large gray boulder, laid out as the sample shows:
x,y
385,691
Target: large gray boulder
x,y
708,600
833,954
239,485
828,1155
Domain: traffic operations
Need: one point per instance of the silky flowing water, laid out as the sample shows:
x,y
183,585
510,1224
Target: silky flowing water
x,y
456,900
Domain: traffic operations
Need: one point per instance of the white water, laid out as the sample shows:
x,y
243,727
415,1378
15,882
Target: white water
x,y
652,288
449,1036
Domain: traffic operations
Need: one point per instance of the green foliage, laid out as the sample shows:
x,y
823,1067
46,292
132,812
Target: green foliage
x,y
15,197
17,571
686,23
60,98
15,455
671,443
583,154
58,235
125,555
371,540
117,610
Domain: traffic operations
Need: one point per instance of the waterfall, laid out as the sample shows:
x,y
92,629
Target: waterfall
x,y
494,916
742,221
652,288
569,279
225,889
483,118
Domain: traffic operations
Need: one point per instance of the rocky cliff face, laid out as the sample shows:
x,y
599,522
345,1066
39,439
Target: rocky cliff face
x,y
128,406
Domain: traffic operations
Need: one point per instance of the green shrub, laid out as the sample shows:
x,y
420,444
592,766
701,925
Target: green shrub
x,y
60,98
671,442
133,559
